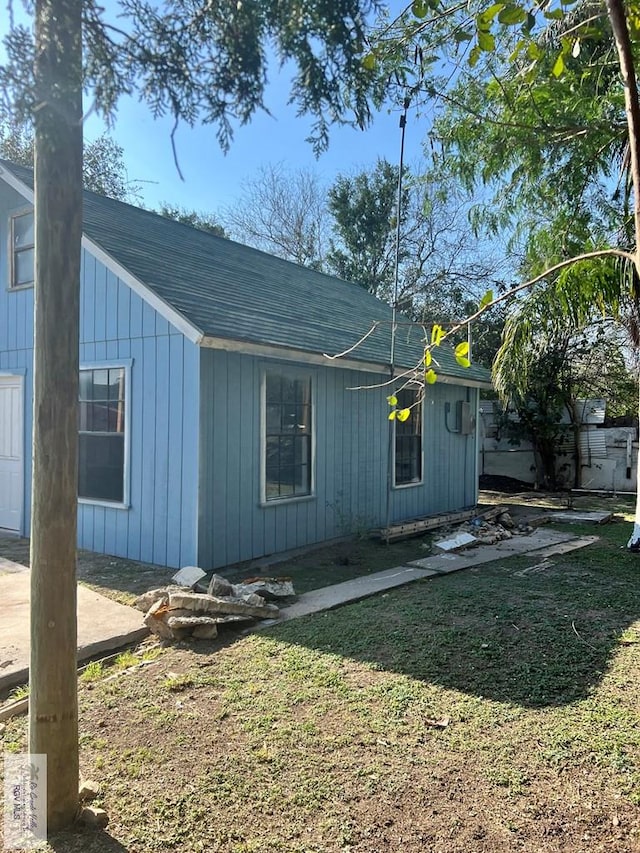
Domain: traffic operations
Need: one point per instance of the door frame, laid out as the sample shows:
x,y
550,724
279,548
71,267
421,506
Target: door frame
x,y
8,378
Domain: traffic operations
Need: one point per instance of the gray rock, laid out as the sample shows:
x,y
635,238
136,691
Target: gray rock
x,y
147,599
155,620
220,587
88,791
92,816
190,621
211,604
269,588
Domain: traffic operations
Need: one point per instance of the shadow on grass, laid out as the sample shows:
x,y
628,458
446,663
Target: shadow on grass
x,y
114,577
514,631
83,840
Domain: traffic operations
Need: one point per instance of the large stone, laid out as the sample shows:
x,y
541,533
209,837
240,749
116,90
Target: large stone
x,y
188,576
190,622
269,588
156,620
95,817
147,599
88,791
220,587
201,603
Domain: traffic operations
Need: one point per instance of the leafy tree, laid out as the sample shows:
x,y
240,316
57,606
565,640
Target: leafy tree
x,y
104,171
282,212
194,61
441,273
196,219
548,360
543,78
364,209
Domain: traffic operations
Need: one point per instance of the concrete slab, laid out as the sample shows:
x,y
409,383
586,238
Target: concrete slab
x,y
574,516
9,566
353,590
103,626
456,543
543,543
541,540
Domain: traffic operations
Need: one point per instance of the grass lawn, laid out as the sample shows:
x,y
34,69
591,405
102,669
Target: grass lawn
x,y
489,711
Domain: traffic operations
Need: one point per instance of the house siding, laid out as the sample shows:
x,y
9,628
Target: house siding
x,y
116,325
351,461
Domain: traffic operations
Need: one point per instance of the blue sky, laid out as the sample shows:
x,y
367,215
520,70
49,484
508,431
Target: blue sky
x,y
212,179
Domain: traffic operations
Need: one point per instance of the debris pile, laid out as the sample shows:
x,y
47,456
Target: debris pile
x,y
482,531
176,612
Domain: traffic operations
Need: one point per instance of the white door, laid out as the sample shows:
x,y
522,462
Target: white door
x,y
11,454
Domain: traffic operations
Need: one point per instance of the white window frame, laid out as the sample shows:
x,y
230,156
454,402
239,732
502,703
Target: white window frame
x,y
12,251
419,406
307,376
120,364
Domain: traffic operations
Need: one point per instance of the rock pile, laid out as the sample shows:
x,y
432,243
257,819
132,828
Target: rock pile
x,y
176,613
482,531
490,532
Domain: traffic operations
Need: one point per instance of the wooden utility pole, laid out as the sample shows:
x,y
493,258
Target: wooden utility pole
x,y
53,720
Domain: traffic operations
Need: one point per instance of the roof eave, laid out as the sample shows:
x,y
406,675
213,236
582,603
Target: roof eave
x,y
285,353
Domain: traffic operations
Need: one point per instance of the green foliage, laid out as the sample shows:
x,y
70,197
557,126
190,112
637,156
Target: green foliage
x,y
196,219
364,211
440,270
103,169
93,671
557,348
206,62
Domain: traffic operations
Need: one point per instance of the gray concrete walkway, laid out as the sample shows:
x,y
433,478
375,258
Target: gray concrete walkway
x,y
103,624
542,543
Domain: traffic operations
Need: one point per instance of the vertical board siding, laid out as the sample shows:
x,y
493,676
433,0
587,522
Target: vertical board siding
x,y
158,526
351,461
117,326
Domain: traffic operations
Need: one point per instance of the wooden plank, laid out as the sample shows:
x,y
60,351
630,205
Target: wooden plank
x,y
421,525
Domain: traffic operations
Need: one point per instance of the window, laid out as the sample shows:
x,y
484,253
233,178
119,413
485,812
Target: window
x,y
102,427
288,434
22,249
408,459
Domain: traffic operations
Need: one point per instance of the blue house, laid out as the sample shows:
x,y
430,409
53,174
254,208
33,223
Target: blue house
x,y
213,429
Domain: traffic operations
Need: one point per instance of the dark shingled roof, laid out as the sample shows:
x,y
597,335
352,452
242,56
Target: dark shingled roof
x,y
227,290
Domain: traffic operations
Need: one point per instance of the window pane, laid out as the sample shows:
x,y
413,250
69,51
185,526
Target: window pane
x,y
23,267
303,418
83,417
273,418
101,439
86,384
23,231
100,390
287,481
288,436
116,384
274,389
408,441
286,451
289,390
101,466
116,417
